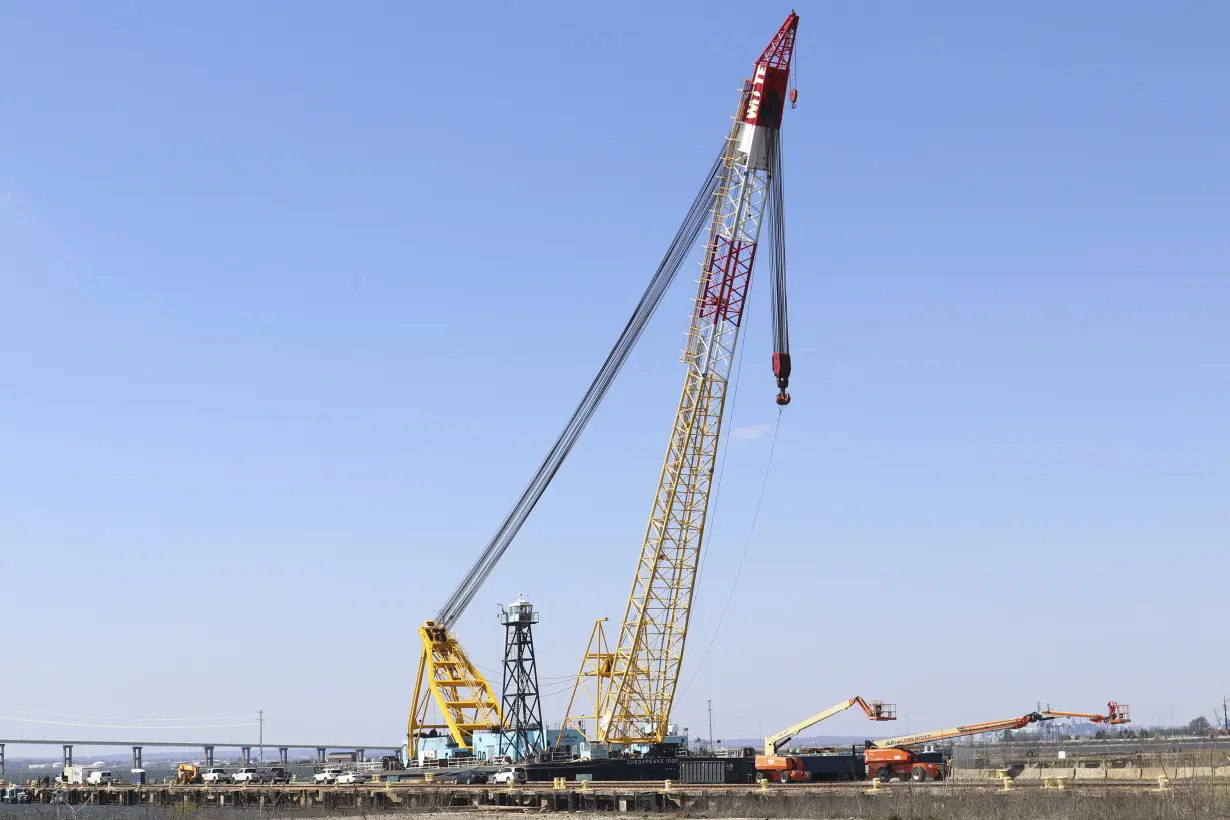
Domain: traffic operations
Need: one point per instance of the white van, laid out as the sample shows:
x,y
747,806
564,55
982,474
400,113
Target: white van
x,y
100,778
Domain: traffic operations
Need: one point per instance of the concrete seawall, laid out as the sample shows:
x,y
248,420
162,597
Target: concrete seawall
x,y
1115,771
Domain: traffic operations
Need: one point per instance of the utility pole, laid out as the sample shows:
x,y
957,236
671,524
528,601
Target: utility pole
x,y
261,743
711,723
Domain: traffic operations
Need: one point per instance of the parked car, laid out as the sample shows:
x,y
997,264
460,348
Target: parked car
x,y
352,777
215,775
465,778
248,774
276,775
100,777
510,774
329,775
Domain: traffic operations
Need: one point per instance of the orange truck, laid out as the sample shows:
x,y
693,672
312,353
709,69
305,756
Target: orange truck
x,y
893,757
779,768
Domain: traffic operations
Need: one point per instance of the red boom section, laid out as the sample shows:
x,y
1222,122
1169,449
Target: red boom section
x,y
766,97
726,278
781,48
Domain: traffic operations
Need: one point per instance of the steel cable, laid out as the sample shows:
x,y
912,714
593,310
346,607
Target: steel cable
x,y
776,217
678,251
730,596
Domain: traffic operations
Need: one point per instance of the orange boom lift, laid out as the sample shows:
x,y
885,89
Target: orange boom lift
x,y
889,758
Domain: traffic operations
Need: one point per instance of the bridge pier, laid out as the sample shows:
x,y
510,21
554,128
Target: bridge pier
x,y
211,758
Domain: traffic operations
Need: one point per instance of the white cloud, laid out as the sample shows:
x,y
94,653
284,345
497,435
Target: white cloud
x,y
751,433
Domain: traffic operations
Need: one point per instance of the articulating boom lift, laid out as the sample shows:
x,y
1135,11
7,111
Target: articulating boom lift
x,y
741,191
792,769
890,757
876,710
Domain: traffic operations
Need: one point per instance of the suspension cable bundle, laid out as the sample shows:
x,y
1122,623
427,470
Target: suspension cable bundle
x,y
676,254
777,261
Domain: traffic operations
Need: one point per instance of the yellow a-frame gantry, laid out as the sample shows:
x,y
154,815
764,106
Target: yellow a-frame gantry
x,y
461,693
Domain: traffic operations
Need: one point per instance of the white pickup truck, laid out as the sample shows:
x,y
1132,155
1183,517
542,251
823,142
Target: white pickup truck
x,y
248,774
214,775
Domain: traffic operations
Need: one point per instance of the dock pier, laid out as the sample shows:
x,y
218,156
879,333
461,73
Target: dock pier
x,y
617,797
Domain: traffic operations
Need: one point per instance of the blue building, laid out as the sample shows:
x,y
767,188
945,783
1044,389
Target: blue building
x,y
434,751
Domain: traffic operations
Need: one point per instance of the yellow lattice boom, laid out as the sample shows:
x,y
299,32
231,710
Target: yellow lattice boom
x,y
654,629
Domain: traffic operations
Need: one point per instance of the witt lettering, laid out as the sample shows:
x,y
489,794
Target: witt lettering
x,y
753,102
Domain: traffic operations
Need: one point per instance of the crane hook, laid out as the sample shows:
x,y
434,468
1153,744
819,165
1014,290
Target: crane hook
x,y
794,98
783,398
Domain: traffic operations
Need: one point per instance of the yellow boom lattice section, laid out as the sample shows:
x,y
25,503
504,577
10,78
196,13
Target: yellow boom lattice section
x,y
655,624
463,696
592,681
649,652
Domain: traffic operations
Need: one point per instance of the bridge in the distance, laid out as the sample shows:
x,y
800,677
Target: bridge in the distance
x,y
322,749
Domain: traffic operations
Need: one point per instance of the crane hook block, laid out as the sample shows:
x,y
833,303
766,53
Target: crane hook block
x,y
781,369
794,98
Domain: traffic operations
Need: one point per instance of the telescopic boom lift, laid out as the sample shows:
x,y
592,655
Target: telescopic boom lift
x,y
956,731
890,757
780,768
876,710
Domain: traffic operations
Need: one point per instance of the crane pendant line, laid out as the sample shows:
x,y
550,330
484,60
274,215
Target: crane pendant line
x,y
446,677
672,260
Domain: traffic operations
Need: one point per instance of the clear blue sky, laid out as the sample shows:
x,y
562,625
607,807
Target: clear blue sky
x,y
295,297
